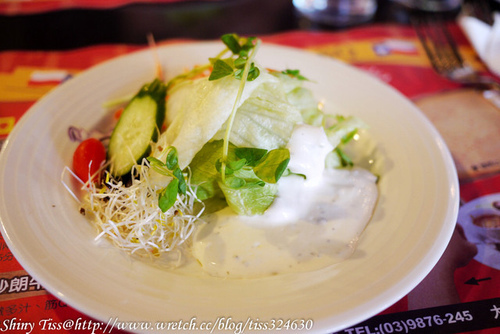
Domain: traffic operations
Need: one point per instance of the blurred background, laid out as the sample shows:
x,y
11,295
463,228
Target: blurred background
x,y
74,24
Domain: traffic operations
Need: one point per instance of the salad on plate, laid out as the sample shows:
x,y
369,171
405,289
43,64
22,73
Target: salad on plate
x,y
229,169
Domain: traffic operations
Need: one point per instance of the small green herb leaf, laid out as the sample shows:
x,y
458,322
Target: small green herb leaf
x,y
273,165
253,73
348,137
172,160
182,188
158,166
170,168
281,169
251,154
218,166
345,161
249,44
295,74
235,65
231,41
237,165
221,69
154,161
168,196
235,182
258,183
240,62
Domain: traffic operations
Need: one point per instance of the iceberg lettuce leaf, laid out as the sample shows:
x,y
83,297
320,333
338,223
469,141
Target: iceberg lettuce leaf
x,y
265,120
251,199
197,109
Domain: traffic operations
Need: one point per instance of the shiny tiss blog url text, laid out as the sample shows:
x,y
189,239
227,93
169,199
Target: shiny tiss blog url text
x,y
221,324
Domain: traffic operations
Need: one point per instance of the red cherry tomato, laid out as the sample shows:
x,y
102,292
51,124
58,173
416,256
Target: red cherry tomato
x,y
89,150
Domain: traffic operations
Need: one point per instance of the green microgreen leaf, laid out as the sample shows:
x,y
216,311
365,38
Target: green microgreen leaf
x,y
345,161
244,53
281,169
182,187
340,118
221,69
235,65
218,166
249,44
168,195
235,182
253,73
240,62
158,166
258,183
172,160
154,161
272,166
232,43
288,172
294,74
177,185
251,154
348,137
231,166
237,165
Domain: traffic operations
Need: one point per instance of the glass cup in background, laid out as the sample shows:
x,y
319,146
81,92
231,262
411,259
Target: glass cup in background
x,y
431,5
337,13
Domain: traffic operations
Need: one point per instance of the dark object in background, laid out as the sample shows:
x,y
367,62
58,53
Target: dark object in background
x,y
201,20
66,29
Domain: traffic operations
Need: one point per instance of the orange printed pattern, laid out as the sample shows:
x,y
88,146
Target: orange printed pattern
x,y
30,83
6,125
391,50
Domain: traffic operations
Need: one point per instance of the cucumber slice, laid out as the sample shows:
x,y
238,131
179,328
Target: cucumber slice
x,y
138,126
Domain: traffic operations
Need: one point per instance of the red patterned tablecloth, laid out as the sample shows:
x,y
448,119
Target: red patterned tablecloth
x,y
391,53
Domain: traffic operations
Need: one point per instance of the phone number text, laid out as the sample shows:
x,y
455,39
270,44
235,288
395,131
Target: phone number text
x,y
410,325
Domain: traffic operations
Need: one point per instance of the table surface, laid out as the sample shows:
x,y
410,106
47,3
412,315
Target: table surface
x,y
68,41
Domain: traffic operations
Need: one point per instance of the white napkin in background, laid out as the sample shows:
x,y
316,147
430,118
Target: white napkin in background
x,y
485,39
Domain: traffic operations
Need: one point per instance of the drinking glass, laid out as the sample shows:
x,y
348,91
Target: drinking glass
x,y
431,5
338,13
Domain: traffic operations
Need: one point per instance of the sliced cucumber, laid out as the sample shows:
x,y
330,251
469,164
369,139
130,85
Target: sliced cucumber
x,y
138,126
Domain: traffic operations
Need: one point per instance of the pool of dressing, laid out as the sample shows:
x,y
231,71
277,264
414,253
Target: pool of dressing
x,y
314,222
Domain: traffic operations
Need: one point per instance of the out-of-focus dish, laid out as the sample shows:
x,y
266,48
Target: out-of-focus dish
x,y
449,111
480,219
410,229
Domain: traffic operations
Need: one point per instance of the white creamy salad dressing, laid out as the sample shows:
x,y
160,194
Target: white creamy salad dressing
x,y
314,222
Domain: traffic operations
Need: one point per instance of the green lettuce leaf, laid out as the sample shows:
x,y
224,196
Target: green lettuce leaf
x,y
250,184
342,131
301,98
253,198
196,111
265,120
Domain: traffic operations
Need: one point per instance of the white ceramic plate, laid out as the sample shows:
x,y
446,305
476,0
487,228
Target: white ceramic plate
x,y
411,227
